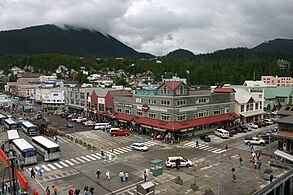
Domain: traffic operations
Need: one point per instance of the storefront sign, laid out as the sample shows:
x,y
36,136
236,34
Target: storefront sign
x,y
145,108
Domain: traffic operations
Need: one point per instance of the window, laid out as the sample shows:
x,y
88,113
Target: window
x,y
55,94
101,107
256,106
138,100
139,113
165,102
202,113
227,109
181,102
260,105
119,110
181,117
202,101
217,111
249,107
242,108
152,115
164,90
152,101
127,111
165,117
260,96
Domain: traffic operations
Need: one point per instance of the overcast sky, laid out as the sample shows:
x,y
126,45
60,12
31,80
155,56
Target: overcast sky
x,y
161,26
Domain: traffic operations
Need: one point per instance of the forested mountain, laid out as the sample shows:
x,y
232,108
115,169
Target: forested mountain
x,y
50,39
278,45
181,53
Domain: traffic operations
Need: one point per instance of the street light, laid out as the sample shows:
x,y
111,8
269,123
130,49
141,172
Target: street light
x,y
219,170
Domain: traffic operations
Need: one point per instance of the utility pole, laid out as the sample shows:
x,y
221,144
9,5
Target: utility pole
x,y
219,173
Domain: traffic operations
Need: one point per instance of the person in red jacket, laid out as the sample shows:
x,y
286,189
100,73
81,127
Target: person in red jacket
x,y
70,191
35,192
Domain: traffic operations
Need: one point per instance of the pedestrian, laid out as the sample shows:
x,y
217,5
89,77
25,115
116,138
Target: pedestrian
x,y
48,191
98,173
92,190
251,162
240,161
102,152
35,192
33,173
252,147
233,170
108,175
255,164
197,143
234,178
271,178
226,148
259,163
21,165
70,191
145,175
55,190
55,139
121,175
126,176
152,136
86,190
77,191
40,172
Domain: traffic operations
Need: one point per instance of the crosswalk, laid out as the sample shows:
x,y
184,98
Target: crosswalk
x,y
192,144
86,158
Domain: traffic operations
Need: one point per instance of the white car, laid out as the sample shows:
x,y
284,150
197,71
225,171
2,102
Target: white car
x,y
183,162
252,125
79,119
139,146
88,123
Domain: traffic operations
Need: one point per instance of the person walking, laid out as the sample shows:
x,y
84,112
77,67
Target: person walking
x,y
55,190
240,161
102,152
40,172
33,173
121,175
271,178
251,162
234,178
92,190
255,164
98,173
21,165
108,175
77,191
197,143
86,190
70,191
126,176
35,192
48,191
145,175
226,148
259,163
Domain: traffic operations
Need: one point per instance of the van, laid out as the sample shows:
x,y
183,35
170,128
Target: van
x,y
101,126
172,161
268,121
222,133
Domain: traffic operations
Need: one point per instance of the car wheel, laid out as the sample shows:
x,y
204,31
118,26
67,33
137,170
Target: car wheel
x,y
114,135
126,135
248,143
188,165
142,150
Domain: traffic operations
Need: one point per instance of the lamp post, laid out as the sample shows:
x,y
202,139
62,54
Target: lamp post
x,y
219,171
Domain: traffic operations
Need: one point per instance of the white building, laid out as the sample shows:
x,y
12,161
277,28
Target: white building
x,y
44,78
51,98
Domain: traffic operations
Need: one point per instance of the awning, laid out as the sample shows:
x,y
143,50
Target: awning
x,y
252,113
76,108
284,155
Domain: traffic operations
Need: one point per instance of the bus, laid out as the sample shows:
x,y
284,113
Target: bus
x,y
29,128
12,135
2,118
24,151
46,148
10,124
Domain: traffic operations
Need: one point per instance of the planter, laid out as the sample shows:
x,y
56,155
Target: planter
x,y
208,192
178,180
194,187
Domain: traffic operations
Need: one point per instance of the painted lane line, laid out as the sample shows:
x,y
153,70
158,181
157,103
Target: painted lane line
x,y
68,162
80,160
90,157
83,157
52,167
95,156
75,161
57,165
46,168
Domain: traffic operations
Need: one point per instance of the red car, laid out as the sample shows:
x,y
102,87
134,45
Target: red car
x,y
260,124
118,132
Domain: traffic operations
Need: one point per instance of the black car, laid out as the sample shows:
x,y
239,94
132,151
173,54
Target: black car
x,y
243,128
205,138
237,130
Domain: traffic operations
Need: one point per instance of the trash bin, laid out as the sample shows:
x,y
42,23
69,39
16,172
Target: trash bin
x,y
146,188
156,167
267,174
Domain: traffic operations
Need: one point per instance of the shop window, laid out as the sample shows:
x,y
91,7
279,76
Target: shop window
x,y
165,117
152,115
139,113
181,117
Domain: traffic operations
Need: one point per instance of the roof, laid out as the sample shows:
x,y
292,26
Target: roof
x,y
254,84
287,120
278,91
286,110
224,90
252,113
102,92
177,125
173,84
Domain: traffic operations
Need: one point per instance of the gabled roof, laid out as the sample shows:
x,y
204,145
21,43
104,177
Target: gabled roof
x,y
224,90
173,84
254,84
278,91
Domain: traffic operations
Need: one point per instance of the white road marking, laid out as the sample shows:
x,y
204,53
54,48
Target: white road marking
x,y
57,165
51,166
68,162
80,160
46,168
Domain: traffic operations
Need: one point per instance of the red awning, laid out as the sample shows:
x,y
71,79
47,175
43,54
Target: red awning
x,y
178,125
224,90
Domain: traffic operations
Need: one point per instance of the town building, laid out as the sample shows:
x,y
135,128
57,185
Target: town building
x,y
277,81
50,98
283,64
176,108
277,96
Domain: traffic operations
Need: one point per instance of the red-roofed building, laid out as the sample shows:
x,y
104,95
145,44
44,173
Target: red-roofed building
x,y
177,108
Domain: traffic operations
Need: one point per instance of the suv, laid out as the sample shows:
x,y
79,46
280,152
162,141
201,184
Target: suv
x,y
118,132
243,128
139,146
171,161
254,140
268,121
267,138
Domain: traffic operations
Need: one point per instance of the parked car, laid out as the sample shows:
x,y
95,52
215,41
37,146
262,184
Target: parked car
x,y
139,146
243,128
232,132
254,140
88,123
248,127
260,124
237,129
222,133
69,125
205,138
64,114
264,136
252,125
272,131
172,161
268,121
118,132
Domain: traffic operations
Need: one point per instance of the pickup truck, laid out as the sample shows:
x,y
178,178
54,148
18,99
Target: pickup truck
x,y
78,120
254,141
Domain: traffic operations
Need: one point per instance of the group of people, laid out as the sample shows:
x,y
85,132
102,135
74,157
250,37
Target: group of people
x,y
123,176
255,160
86,191
98,173
54,189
